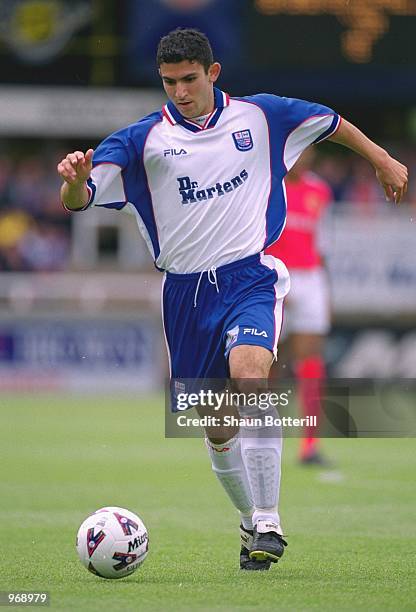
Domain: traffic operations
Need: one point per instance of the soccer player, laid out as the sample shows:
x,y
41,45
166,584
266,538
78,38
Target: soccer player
x,y
204,178
307,312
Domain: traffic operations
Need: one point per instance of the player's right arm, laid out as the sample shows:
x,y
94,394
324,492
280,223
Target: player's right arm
x,y
75,169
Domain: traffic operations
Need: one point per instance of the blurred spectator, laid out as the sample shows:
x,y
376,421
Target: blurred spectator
x,y
353,181
27,189
45,247
335,170
363,187
34,228
13,227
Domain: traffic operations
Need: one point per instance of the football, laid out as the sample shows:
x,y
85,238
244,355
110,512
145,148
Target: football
x,y
112,543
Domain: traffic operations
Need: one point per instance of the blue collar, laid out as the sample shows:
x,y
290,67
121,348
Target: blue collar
x,y
171,113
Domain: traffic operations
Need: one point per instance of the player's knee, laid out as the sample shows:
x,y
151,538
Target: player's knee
x,y
242,373
250,362
247,382
221,435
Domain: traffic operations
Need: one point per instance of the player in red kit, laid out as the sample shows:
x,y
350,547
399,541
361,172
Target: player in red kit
x,y
307,313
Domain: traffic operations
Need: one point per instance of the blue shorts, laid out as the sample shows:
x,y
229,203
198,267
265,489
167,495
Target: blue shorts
x,y
206,314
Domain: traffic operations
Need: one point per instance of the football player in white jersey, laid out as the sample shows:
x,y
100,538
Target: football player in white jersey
x,y
204,178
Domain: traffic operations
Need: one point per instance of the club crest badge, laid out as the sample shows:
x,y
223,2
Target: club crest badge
x,y
243,140
232,336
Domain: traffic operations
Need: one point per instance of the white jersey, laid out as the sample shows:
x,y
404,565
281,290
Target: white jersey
x,y
208,195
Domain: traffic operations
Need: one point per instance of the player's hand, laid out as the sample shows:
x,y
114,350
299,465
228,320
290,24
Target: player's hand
x,y
76,167
393,177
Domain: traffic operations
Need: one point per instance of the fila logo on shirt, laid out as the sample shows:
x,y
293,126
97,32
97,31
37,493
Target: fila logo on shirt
x,y
191,192
174,152
254,332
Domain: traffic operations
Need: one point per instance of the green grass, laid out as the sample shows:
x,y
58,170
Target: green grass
x,y
351,537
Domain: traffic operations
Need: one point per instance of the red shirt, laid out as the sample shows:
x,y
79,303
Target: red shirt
x,y
307,199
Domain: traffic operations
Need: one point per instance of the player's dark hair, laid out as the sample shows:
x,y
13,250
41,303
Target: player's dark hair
x,y
185,44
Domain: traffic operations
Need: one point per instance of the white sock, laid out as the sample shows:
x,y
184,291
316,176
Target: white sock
x,y
261,448
228,466
247,521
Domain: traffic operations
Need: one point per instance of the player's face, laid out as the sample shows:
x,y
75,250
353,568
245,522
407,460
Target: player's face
x,y
189,87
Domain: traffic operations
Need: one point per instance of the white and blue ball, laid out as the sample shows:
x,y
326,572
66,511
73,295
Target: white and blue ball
x,y
112,543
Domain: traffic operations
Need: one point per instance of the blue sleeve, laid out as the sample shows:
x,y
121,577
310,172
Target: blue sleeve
x,y
125,146
292,112
113,150
118,175
293,126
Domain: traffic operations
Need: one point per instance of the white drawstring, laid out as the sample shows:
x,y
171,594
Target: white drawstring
x,y
212,272
197,287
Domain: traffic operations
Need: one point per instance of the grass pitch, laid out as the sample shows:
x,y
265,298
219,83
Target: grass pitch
x,y
351,532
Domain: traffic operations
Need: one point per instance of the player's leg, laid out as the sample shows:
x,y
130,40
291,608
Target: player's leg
x,y
228,463
309,370
224,450
261,446
254,318
309,324
255,325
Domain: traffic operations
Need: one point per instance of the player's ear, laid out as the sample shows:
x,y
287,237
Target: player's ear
x,y
214,71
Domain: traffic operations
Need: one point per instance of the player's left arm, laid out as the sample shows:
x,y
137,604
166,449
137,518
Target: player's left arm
x,y
392,174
